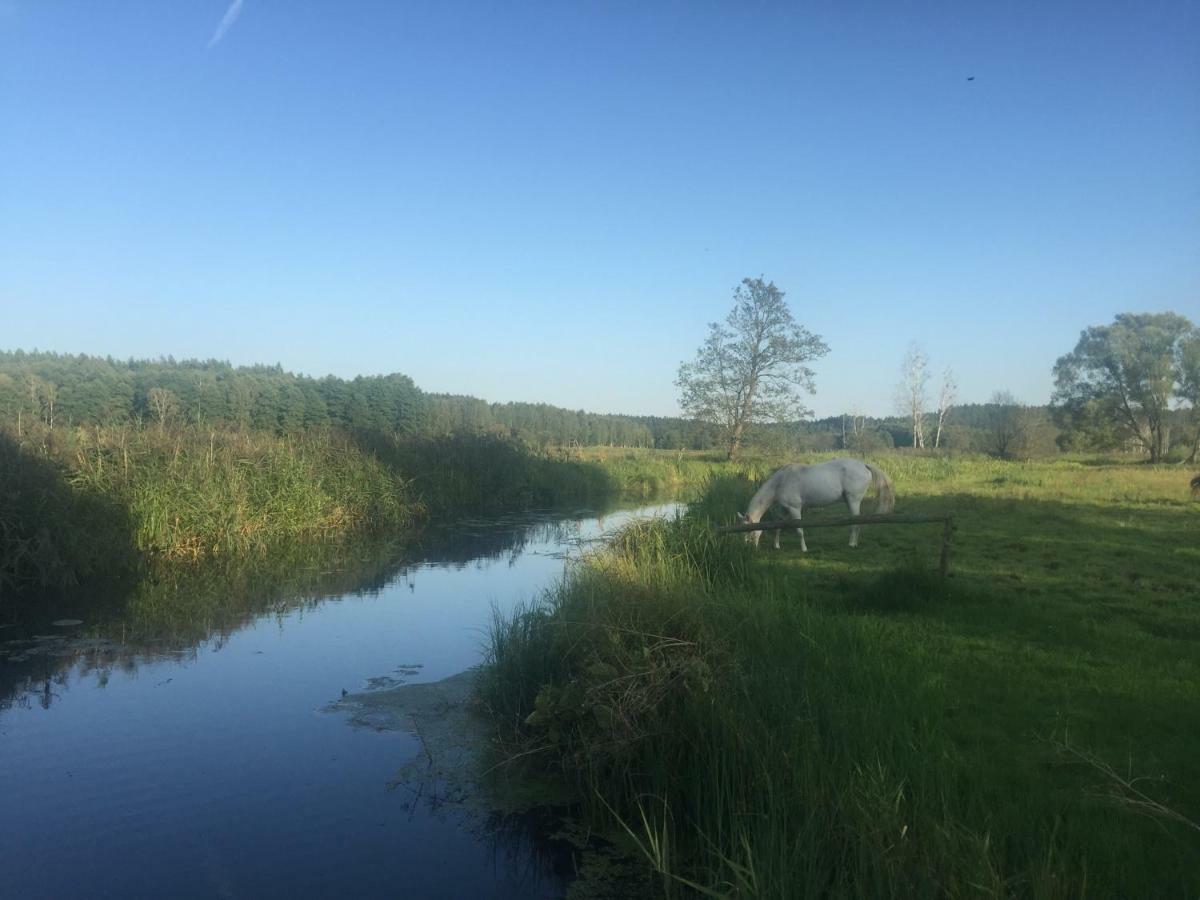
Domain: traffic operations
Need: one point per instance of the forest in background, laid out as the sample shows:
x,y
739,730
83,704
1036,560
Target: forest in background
x,y
63,390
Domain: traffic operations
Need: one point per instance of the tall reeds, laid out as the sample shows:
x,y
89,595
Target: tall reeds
x,y
78,502
195,493
53,534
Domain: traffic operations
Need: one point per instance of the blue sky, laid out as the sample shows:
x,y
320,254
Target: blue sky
x,y
550,201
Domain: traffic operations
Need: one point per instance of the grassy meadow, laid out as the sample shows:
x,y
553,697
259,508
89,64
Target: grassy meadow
x,y
844,722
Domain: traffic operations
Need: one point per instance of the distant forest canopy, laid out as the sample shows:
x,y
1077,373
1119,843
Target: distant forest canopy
x,y
62,390
67,390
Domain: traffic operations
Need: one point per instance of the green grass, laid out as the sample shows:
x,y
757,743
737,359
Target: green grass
x,y
846,723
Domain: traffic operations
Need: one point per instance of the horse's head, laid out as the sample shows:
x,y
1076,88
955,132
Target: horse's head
x,y
751,536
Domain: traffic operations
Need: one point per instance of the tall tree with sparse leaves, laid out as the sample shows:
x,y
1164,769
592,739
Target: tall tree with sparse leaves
x,y
753,368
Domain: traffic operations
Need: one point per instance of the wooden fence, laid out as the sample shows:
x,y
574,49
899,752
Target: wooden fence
x,y
947,523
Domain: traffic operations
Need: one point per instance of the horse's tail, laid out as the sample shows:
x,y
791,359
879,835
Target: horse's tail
x,y
887,496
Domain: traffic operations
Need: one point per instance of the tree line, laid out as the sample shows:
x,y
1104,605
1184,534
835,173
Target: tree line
x,y
64,390
1131,386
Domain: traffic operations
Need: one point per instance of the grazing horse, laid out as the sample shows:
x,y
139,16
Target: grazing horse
x,y
795,487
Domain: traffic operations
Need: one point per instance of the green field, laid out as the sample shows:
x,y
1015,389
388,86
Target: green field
x,y
844,722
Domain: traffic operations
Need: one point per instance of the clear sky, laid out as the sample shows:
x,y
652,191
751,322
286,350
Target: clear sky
x,y
550,201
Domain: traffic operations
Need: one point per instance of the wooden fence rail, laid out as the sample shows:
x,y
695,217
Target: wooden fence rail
x,y
947,523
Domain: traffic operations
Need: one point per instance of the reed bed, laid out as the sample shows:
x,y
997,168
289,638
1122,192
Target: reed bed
x,y
193,493
101,503
84,503
482,474
53,534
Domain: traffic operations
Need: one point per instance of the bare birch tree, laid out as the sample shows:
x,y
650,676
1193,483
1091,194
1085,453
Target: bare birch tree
x,y
49,392
33,385
858,427
947,397
912,395
164,404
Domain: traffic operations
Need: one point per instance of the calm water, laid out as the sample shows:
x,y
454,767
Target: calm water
x,y
177,745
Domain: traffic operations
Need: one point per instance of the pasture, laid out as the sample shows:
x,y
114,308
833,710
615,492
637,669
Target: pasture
x,y
772,723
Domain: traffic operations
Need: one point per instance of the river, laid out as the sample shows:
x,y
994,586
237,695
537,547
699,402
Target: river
x,y
178,742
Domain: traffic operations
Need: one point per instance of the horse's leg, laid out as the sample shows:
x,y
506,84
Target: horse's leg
x,y
855,504
794,512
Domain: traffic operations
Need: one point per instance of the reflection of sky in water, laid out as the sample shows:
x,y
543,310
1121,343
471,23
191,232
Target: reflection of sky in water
x,y
212,772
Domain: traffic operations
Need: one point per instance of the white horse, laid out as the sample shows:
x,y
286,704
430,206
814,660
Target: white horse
x,y
795,487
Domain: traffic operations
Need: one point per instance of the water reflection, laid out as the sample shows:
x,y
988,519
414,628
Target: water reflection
x,y
186,712
179,613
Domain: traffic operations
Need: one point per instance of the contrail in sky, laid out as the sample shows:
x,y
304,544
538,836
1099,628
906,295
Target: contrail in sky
x,y
227,20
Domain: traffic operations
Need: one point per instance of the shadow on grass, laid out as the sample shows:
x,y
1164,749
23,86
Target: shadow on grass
x,y
911,587
1041,569
1056,614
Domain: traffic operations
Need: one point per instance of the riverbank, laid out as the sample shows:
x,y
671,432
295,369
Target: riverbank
x,y
99,505
845,723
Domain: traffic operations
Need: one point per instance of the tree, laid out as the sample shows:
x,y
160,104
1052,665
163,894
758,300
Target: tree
x,y
1122,376
1188,376
34,386
947,397
751,369
858,422
49,392
911,394
163,404
1016,431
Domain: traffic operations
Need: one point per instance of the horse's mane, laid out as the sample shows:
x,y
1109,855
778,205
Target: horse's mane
x,y
765,495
